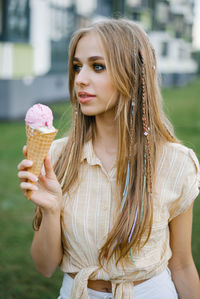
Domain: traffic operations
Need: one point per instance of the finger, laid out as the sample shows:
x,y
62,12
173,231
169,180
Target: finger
x,y
27,175
25,150
28,186
24,164
49,168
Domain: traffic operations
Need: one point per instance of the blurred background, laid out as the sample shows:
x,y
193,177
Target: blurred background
x,y
34,39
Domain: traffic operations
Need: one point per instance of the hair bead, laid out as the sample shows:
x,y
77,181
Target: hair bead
x,y
147,153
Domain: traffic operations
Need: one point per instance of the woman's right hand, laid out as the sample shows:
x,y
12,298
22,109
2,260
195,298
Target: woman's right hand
x,y
46,190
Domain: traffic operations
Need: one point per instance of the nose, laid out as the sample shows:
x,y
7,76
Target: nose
x,y
82,77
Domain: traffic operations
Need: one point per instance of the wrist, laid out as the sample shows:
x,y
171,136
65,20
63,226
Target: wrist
x,y
53,211
54,206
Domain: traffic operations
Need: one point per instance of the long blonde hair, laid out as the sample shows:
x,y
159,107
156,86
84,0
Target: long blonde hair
x,y
131,63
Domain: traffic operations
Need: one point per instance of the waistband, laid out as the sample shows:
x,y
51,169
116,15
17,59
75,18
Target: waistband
x,y
120,290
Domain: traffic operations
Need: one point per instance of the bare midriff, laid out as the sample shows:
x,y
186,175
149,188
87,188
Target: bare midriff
x,y
102,285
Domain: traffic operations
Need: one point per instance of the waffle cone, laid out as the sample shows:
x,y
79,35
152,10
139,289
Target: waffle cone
x,y
38,145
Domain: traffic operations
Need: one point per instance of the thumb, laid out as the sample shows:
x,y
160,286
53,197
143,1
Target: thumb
x,y
50,174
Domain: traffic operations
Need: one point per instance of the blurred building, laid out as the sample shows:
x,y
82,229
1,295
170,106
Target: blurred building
x,y
169,24
34,37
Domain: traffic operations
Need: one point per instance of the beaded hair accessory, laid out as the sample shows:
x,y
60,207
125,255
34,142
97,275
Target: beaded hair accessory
x,y
147,152
147,155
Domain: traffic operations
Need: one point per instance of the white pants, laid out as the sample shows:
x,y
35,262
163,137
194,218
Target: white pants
x,y
157,287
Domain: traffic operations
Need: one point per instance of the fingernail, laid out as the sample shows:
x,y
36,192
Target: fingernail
x,y
23,185
35,188
35,179
29,163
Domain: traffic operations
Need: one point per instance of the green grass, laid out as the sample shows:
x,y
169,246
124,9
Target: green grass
x,y
182,105
18,277
183,109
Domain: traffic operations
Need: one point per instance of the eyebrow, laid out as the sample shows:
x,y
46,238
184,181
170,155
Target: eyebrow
x,y
92,58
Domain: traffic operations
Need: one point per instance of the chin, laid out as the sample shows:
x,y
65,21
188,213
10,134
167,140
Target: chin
x,y
89,112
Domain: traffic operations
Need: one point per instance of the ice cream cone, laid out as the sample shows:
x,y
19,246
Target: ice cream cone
x,y
38,145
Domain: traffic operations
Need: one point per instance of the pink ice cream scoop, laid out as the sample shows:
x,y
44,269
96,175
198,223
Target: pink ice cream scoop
x,y
39,116
40,134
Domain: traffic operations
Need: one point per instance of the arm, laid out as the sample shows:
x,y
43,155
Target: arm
x,y
184,273
46,247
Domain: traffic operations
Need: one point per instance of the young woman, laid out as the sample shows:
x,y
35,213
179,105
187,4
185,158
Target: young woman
x,y
114,207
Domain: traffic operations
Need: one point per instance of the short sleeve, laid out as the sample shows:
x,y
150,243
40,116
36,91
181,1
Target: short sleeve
x,y
190,185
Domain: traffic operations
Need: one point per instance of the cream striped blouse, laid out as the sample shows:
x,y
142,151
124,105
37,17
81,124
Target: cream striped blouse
x,y
90,208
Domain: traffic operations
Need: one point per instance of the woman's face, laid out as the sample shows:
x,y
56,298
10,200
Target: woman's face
x,y
93,87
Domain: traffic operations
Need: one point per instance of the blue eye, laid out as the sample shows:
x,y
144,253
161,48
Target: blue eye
x,y
98,67
76,68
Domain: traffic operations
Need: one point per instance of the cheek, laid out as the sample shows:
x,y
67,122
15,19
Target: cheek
x,y
111,92
106,86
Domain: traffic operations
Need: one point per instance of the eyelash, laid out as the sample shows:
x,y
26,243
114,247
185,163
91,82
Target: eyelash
x,y
76,68
97,67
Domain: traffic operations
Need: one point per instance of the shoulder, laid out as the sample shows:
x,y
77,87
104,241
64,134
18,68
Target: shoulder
x,y
180,168
57,147
178,154
175,147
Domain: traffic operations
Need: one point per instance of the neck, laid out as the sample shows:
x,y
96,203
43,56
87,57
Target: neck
x,y
106,132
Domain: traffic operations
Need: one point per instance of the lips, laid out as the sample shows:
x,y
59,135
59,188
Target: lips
x,y
85,97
